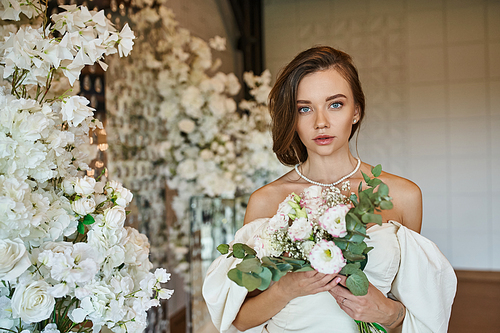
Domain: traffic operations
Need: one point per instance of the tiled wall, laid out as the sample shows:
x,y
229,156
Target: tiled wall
x,y
431,73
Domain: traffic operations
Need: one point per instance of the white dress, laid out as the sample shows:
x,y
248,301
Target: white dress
x,y
402,263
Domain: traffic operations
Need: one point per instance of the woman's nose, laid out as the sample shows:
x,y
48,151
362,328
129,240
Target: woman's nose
x,y
321,120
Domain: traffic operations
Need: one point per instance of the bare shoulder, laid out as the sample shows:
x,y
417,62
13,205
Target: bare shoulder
x,y
265,201
407,200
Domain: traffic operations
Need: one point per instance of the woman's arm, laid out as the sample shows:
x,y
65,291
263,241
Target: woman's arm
x,y
258,309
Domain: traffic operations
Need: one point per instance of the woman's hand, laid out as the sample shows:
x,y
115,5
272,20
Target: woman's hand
x,y
306,283
373,307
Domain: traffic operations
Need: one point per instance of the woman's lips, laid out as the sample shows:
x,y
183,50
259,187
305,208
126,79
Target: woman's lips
x,y
323,140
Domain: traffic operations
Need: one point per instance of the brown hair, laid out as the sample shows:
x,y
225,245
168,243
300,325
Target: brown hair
x,y
283,98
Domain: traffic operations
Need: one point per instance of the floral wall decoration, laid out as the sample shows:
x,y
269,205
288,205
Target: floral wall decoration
x,y
174,116
67,262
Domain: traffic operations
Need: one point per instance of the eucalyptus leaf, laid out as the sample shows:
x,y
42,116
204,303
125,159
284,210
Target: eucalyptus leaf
x,y
305,268
248,249
372,218
235,275
357,248
250,281
277,273
238,250
223,248
358,284
341,243
368,249
365,177
386,205
267,262
355,237
352,257
350,268
383,190
354,199
294,261
266,277
377,170
374,182
250,265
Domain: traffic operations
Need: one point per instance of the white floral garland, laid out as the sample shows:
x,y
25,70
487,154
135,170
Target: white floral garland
x,y
65,256
170,106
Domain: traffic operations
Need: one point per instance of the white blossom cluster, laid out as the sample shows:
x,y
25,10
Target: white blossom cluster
x,y
298,230
193,134
66,257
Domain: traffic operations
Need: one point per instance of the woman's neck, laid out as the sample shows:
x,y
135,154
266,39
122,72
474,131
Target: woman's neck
x,y
328,169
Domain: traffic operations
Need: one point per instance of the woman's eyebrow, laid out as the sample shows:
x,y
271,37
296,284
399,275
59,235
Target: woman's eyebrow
x,y
303,101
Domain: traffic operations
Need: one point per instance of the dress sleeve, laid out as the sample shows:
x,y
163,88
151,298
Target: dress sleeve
x,y
425,283
222,296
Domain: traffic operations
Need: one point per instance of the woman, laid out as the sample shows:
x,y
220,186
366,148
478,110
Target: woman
x,y
317,105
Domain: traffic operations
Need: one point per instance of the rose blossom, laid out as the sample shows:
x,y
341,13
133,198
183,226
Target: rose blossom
x,y
300,229
32,302
13,259
333,220
326,257
85,186
114,218
83,206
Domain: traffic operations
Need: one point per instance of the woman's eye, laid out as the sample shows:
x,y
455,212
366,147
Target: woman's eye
x,y
304,109
336,105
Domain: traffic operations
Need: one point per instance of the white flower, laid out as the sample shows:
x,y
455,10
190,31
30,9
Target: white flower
x,y
300,229
84,186
123,196
326,257
83,206
14,259
50,328
6,320
265,246
333,220
125,41
217,43
312,199
31,302
136,247
114,218
74,110
186,125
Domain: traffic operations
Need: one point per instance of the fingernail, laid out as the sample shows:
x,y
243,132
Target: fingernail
x,y
337,280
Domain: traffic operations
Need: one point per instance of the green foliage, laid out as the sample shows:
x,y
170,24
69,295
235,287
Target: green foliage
x,y
253,273
88,219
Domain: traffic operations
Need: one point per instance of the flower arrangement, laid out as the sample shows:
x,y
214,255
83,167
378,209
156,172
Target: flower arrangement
x,y
321,229
184,112
66,258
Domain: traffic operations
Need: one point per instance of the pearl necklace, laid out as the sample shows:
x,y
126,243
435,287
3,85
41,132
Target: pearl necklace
x,y
332,184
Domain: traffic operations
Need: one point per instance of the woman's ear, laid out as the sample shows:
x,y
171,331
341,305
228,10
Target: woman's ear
x,y
357,113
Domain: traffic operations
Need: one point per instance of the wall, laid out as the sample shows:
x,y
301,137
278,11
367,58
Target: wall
x,y
431,73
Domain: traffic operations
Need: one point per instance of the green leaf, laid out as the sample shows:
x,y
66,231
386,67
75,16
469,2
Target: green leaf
x,y
372,218
341,243
238,250
358,284
365,177
305,268
377,170
81,227
374,182
354,199
250,281
268,262
386,205
368,249
88,219
379,327
292,216
236,275
357,248
301,213
250,265
383,190
350,268
352,257
248,249
354,237
223,248
294,205
294,261
266,277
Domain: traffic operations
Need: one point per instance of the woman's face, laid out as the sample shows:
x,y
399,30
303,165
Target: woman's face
x,y
327,111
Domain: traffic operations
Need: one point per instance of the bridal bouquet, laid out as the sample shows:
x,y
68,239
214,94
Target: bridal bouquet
x,y
67,262
320,229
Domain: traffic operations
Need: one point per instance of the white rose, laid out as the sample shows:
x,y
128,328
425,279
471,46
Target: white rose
x,y
68,187
32,302
136,247
85,186
115,217
14,259
186,125
83,206
124,196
